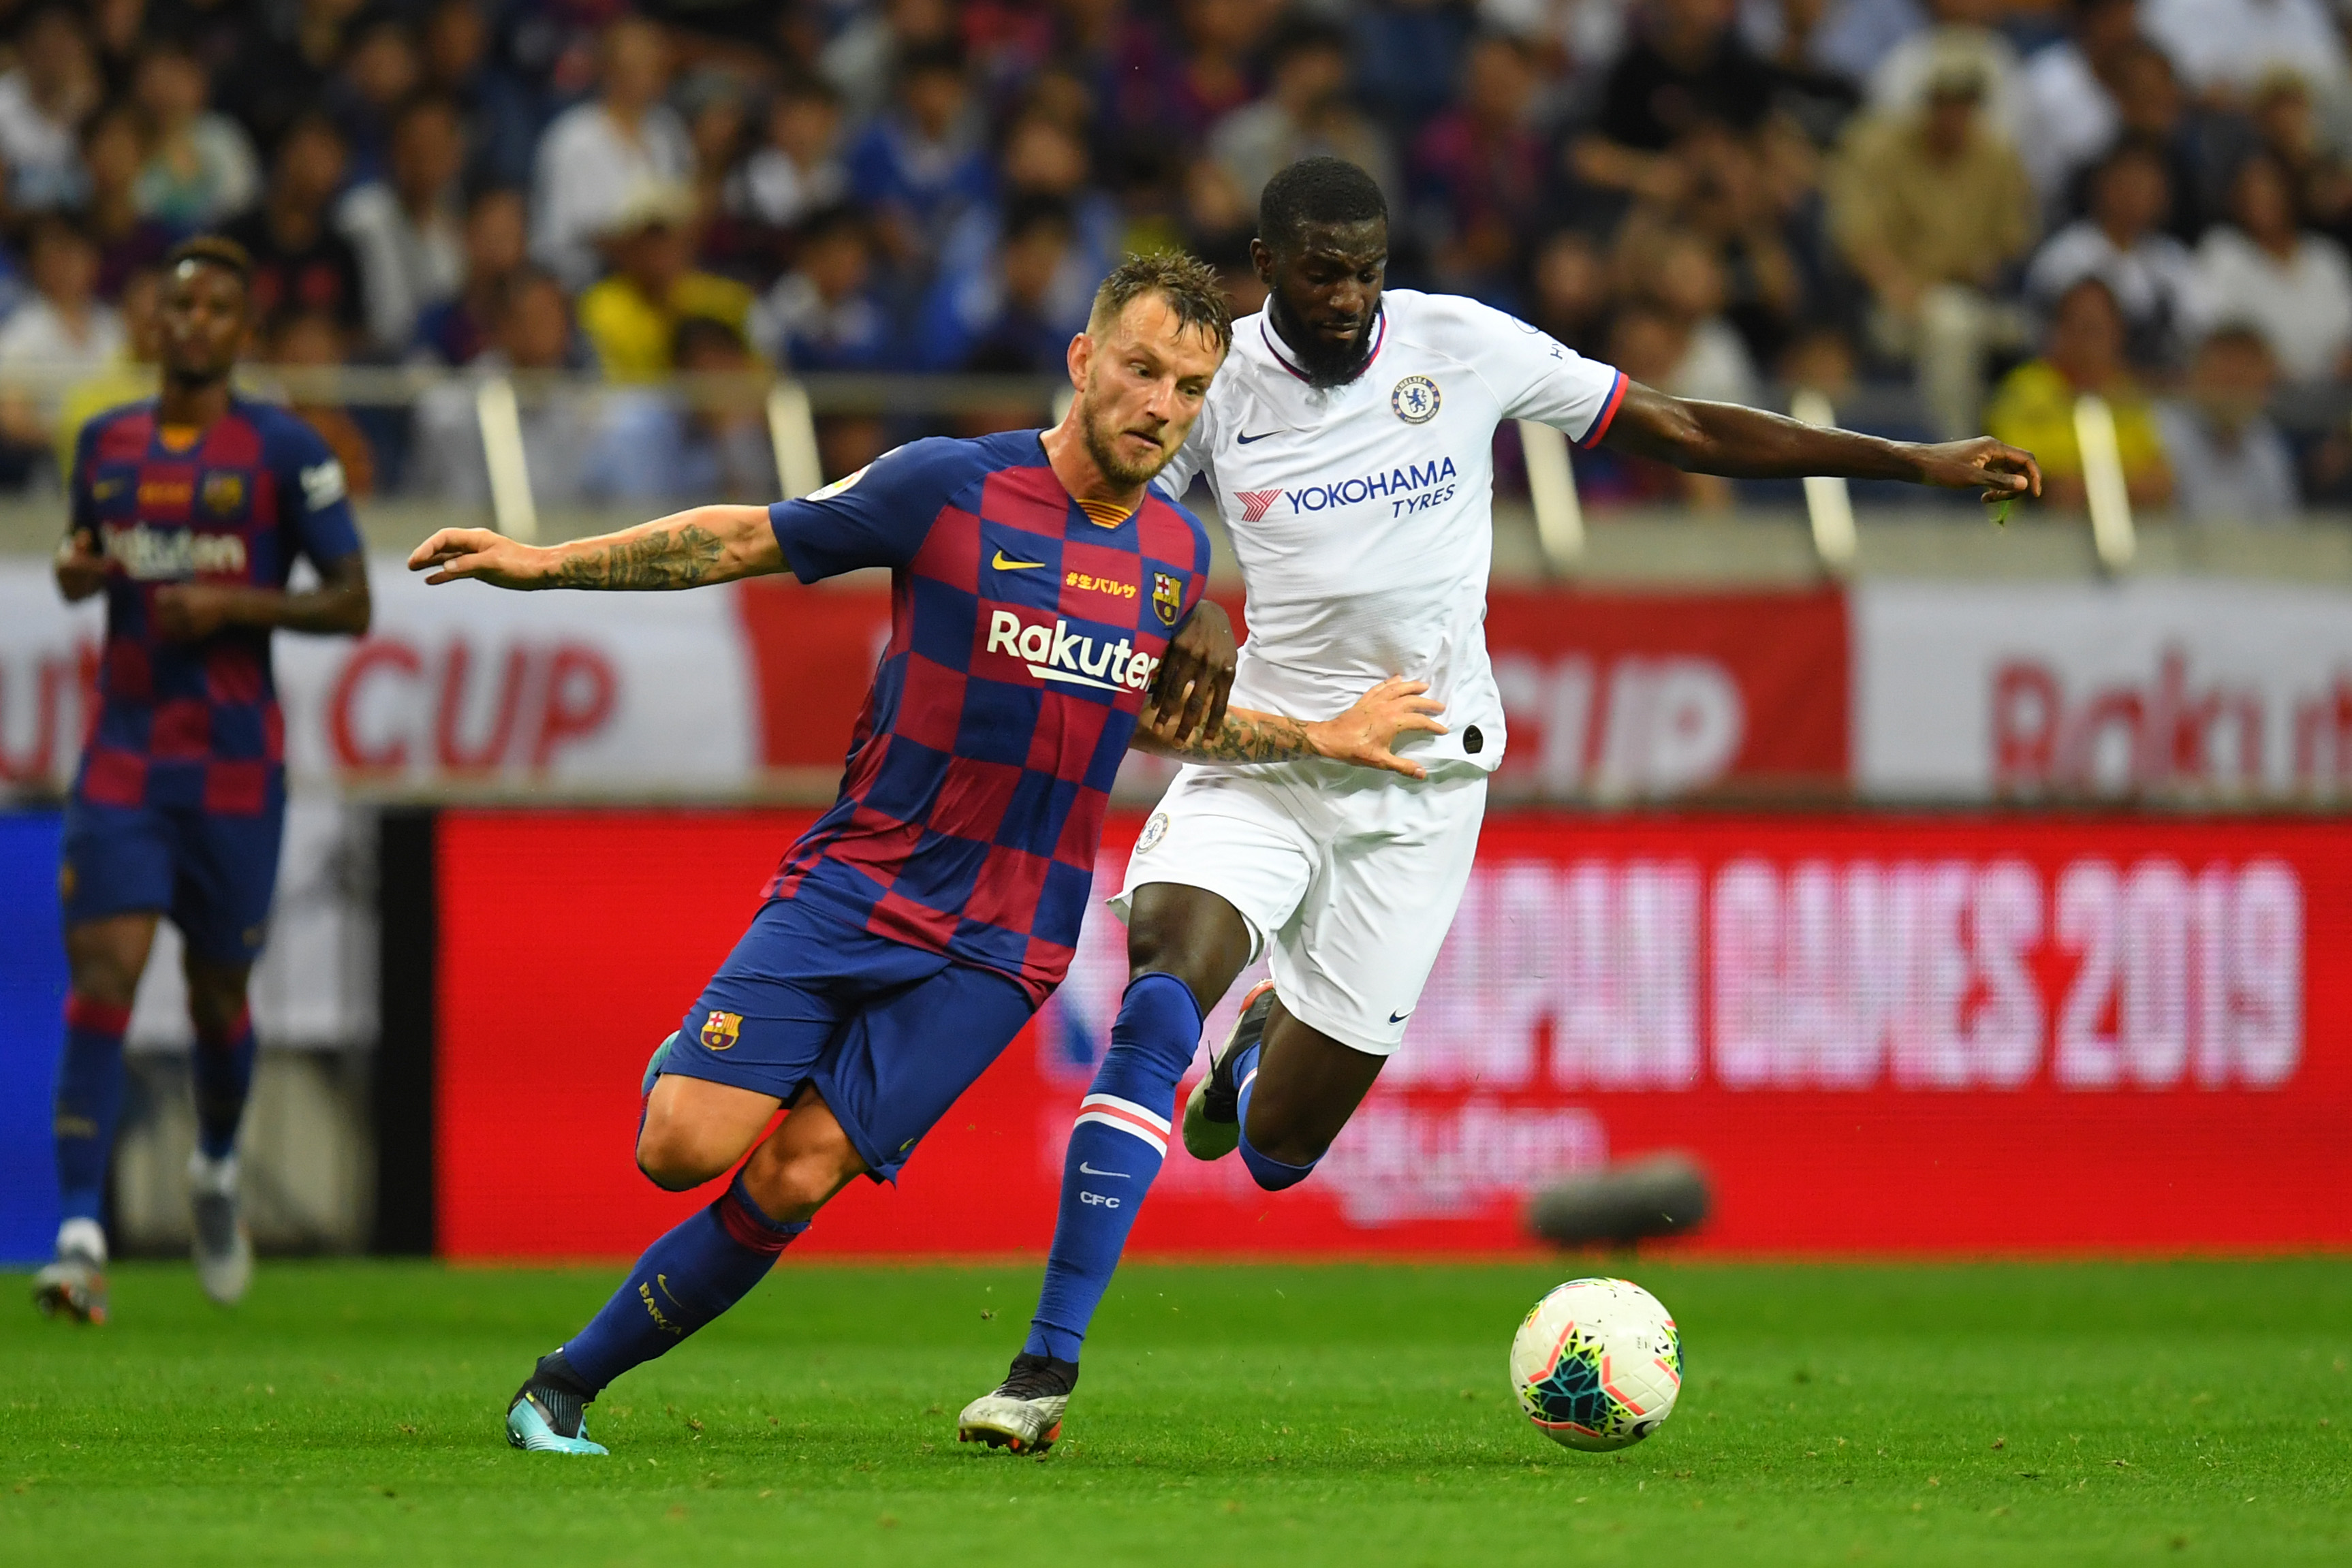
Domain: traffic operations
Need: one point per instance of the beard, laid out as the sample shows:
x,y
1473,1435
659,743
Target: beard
x,y
1327,363
1102,445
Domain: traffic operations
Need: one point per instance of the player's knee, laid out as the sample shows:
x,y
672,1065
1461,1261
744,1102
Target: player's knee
x,y
1159,940
1284,1139
793,1183
676,1155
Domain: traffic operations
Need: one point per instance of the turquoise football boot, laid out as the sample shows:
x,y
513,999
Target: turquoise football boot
x,y
549,1415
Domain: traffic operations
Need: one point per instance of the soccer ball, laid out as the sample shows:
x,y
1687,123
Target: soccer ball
x,y
1597,1365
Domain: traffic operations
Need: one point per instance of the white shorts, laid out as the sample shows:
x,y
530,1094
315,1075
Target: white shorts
x,y
1346,877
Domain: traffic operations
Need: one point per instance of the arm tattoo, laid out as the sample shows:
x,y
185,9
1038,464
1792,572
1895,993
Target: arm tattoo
x,y
666,559
1264,738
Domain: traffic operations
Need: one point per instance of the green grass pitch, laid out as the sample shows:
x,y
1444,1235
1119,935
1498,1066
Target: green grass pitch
x,y
1290,1415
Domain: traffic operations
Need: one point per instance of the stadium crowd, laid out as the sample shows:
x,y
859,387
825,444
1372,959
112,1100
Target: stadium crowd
x,y
1945,215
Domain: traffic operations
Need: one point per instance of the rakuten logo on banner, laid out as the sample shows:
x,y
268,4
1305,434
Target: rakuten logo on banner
x,y
2212,688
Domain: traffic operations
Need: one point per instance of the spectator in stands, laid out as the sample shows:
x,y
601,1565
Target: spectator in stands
x,y
2263,270
1930,211
1675,273
1043,160
594,155
457,331
53,88
1478,172
200,169
130,376
312,341
2069,110
867,57
1853,37
113,150
1816,96
2223,47
1409,58
299,262
2153,111
1732,200
2230,462
2122,241
454,43
1687,65
1008,309
2289,132
917,166
561,428
1175,89
2082,353
407,228
64,328
797,169
822,314
381,71
1960,40
1568,290
708,440
631,318
1305,114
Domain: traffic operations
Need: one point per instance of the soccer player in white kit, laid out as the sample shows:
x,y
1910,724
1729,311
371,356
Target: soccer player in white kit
x,y
1348,440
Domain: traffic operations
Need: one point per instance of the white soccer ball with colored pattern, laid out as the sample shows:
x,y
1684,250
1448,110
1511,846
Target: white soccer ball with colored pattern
x,y
1597,1365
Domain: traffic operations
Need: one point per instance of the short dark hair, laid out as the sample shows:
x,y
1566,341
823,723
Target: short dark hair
x,y
214,250
1317,191
1188,285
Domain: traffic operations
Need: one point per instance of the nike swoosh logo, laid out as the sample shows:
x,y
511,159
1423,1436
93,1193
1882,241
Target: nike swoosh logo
x,y
1399,1017
1086,1170
1004,564
1245,441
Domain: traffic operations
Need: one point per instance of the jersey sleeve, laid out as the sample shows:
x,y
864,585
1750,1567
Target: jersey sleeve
x,y
1537,377
313,493
877,516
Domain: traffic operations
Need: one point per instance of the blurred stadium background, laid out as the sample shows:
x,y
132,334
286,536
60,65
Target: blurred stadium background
x,y
1935,886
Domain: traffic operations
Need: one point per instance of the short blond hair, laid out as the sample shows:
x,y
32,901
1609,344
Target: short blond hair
x,y
1188,285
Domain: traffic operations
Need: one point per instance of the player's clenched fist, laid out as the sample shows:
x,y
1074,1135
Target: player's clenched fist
x,y
1366,733
478,553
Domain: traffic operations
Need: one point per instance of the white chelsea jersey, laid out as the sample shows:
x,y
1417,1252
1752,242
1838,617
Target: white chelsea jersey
x,y
1362,513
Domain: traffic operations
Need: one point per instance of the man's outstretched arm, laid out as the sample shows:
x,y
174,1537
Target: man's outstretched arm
x,y
1749,444
685,549
1366,734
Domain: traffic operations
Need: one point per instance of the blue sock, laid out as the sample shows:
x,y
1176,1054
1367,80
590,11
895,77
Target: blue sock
x,y
684,1280
89,1101
1115,1150
1270,1174
224,1073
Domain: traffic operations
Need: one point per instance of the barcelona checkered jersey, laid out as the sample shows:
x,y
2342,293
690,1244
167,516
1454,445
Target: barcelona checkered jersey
x,y
195,725
1025,629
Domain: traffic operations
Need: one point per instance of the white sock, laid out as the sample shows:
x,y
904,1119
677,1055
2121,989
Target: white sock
x,y
209,1176
82,1238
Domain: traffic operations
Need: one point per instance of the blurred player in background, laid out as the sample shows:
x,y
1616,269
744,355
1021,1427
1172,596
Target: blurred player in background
x,y
188,513
1348,440
1043,603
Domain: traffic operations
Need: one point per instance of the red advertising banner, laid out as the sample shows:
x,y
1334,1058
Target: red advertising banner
x,y
1610,696
1879,1034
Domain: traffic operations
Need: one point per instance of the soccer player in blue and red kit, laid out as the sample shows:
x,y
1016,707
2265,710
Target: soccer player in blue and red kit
x,y
188,513
1046,613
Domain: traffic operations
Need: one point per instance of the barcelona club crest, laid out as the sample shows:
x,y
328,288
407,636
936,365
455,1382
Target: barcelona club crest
x,y
224,494
1415,399
720,1030
1167,596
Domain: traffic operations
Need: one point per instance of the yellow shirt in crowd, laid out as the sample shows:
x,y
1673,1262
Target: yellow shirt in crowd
x,y
2034,408
632,332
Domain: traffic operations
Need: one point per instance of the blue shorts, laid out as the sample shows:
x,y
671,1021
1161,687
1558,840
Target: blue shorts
x,y
890,1035
213,873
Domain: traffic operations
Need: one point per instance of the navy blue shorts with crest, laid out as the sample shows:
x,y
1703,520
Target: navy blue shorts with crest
x,y
890,1035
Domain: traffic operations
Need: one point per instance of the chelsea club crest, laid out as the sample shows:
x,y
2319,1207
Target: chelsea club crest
x,y
1415,399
